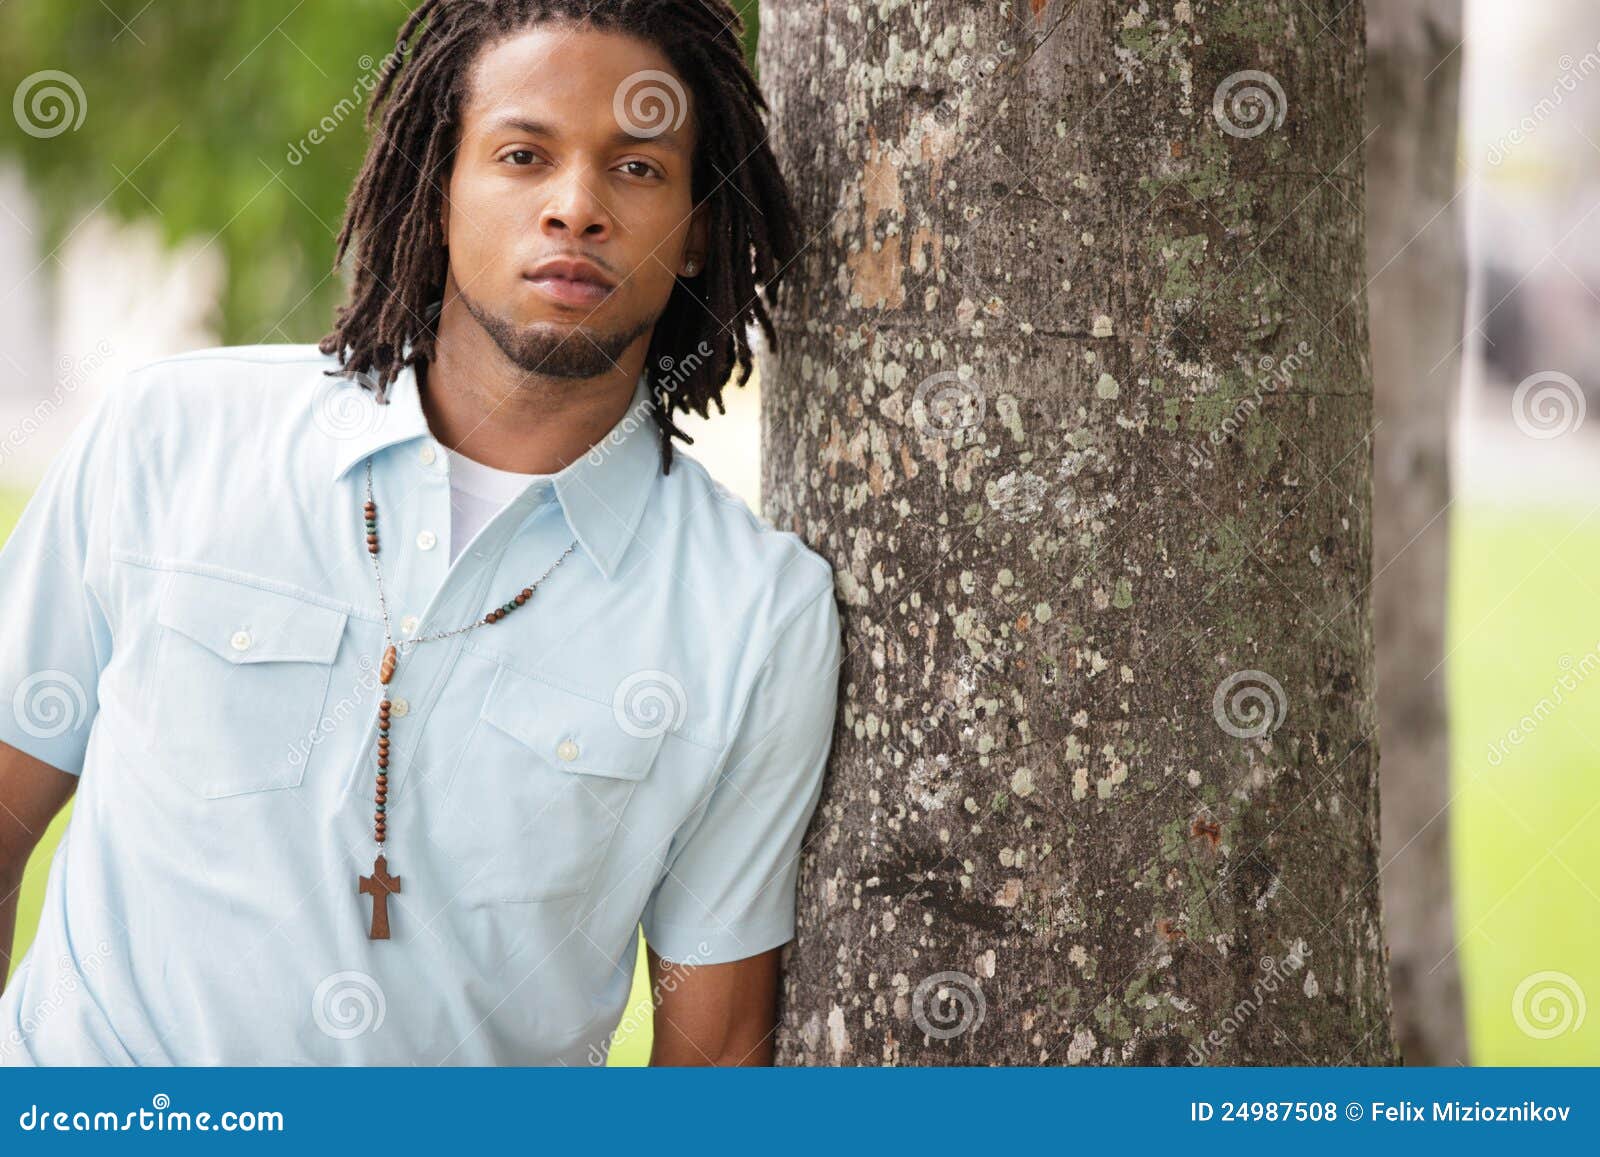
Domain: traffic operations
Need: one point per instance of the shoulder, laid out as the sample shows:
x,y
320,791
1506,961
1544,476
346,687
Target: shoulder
x,y
723,530
244,359
226,414
741,574
229,374
757,601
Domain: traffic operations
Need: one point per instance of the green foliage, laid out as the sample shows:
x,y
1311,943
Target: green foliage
x,y
199,116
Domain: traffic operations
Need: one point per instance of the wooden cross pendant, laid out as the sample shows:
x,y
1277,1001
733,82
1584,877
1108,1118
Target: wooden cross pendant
x,y
379,885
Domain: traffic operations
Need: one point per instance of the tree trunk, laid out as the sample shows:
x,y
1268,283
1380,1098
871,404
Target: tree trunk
x,y
1074,393
1417,266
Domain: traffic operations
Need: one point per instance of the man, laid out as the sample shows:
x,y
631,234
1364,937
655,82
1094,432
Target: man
x,y
400,679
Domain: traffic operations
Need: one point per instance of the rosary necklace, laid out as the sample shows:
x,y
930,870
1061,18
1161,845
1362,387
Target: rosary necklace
x,y
380,885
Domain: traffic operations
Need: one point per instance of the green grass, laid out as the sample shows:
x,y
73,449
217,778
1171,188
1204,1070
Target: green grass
x,y
1525,612
1525,616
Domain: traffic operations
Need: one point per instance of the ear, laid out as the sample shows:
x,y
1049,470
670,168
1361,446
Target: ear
x,y
694,244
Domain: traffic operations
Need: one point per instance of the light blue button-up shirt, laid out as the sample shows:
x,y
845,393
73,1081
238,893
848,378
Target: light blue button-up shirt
x,y
189,622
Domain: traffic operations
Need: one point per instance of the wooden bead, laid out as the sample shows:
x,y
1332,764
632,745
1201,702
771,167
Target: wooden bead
x,y
527,593
383,761
380,837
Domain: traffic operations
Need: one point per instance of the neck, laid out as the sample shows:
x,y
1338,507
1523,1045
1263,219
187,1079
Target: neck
x,y
481,405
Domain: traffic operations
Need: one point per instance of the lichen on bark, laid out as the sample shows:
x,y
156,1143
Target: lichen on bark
x,y
1073,392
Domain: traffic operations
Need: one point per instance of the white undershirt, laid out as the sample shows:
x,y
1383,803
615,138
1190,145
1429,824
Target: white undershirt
x,y
477,494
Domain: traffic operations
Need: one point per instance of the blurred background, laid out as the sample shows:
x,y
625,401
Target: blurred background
x,y
187,191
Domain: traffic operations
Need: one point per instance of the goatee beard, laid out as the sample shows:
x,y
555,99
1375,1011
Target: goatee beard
x,y
541,349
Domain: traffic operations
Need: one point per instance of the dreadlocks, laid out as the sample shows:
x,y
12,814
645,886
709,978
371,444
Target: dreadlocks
x,y
393,213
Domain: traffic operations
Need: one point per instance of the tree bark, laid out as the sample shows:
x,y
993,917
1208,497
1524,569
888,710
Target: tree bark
x,y
1417,265
1074,393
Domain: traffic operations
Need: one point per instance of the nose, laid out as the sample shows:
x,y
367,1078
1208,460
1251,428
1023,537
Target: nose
x,y
574,208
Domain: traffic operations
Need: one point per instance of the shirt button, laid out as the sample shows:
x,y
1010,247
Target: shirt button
x,y
427,540
567,750
427,454
241,640
409,624
398,707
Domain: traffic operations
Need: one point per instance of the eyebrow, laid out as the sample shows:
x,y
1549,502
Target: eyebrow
x,y
670,139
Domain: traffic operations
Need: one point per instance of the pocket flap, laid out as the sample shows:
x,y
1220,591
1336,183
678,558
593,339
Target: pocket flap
x,y
249,624
569,731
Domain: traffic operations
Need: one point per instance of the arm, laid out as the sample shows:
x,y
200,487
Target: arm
x,y
714,1014
724,905
31,793
54,641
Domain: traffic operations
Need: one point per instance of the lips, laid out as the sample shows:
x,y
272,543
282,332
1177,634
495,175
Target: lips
x,y
569,281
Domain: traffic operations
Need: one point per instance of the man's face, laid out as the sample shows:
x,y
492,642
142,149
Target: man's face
x,y
545,168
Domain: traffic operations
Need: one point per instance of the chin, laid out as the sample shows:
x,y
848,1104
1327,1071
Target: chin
x,y
545,325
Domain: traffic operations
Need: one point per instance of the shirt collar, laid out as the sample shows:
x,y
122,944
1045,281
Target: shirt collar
x,y
602,492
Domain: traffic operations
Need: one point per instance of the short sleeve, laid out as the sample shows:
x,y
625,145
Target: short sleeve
x,y
54,636
728,890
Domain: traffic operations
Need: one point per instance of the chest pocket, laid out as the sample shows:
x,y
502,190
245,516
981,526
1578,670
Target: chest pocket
x,y
534,802
241,676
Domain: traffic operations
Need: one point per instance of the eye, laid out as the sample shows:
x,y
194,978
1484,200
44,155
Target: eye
x,y
641,169
526,154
